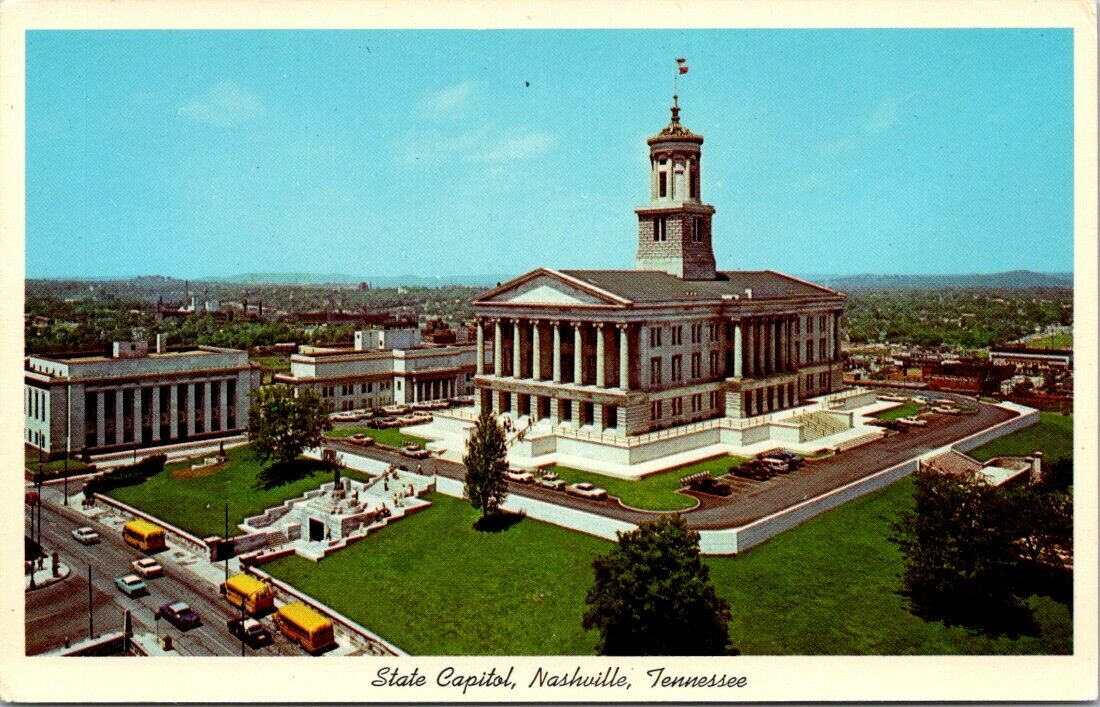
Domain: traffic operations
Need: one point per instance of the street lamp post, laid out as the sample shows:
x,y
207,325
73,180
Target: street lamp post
x,y
225,541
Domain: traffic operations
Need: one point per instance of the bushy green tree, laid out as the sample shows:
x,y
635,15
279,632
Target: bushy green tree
x,y
486,461
653,595
282,425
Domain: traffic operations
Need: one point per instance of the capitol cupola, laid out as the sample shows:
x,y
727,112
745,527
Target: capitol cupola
x,y
674,233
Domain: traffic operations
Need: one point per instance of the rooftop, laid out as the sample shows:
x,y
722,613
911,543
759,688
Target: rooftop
x,y
658,286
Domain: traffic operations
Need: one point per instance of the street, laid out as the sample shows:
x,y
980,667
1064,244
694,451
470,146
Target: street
x,y
61,611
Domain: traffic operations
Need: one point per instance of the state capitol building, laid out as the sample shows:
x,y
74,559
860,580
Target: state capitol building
x,y
672,342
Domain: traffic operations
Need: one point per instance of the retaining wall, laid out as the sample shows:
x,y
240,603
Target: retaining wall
x,y
181,536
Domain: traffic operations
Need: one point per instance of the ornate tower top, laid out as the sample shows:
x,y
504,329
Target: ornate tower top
x,y
674,227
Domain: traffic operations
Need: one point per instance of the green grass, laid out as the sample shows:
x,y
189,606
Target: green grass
x,y
904,410
197,505
653,493
433,585
391,436
272,364
1061,340
1052,435
830,586
52,468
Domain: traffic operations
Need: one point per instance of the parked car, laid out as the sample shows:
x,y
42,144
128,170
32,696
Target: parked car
x,y
946,410
86,536
778,465
363,440
754,469
550,480
147,568
586,490
891,398
131,585
180,615
711,486
415,451
519,476
393,410
250,631
912,421
383,423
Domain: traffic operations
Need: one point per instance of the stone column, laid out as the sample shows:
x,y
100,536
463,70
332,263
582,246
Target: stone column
x,y
137,415
119,416
782,392
154,415
173,412
206,407
597,412
624,361
620,420
480,348
790,344
498,350
556,373
782,324
536,351
100,419
769,345
737,362
555,406
578,355
517,349
836,336
734,404
601,378
223,404
190,409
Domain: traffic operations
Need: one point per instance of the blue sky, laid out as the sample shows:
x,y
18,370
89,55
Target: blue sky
x,y
393,152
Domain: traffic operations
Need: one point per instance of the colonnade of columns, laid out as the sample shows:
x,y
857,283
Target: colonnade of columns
x,y
157,402
432,389
764,345
592,344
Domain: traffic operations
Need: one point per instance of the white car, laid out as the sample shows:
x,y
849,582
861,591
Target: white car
x,y
147,568
946,410
912,421
920,400
586,490
550,480
86,536
519,476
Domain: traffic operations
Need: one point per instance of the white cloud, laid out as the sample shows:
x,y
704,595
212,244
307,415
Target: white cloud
x,y
888,113
225,103
480,146
453,101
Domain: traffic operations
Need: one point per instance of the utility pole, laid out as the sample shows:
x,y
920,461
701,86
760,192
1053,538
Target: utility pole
x,y
91,632
225,547
38,501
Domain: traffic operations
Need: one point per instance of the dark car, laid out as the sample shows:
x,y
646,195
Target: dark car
x,y
250,631
712,486
754,469
180,615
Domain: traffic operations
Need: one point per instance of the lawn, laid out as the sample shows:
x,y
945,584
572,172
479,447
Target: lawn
x,y
272,364
391,436
653,493
196,503
904,410
53,468
1061,340
433,585
1052,435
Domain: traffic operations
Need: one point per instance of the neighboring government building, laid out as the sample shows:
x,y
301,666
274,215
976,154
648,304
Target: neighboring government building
x,y
134,397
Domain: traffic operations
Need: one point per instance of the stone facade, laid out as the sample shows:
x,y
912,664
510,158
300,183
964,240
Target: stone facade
x,y
670,343
89,401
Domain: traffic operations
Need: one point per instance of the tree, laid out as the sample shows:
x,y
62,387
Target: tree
x,y
958,548
486,461
653,595
282,425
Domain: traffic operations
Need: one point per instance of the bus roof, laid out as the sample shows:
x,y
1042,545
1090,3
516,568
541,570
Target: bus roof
x,y
304,616
245,584
144,527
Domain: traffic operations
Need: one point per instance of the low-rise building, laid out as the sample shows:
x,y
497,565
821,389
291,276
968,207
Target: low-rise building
x,y
134,397
383,368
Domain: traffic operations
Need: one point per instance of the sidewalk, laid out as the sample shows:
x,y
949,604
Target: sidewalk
x,y
44,577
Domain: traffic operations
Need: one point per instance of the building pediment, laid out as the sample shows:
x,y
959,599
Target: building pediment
x,y
546,287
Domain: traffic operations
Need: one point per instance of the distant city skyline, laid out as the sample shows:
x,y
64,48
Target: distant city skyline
x,y
389,153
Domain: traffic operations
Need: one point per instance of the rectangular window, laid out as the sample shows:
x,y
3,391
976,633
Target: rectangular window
x,y
693,182
677,367
809,352
655,411
677,335
714,362
809,382
713,399
809,325
821,350
696,365
823,380
654,337
697,402
655,370
677,406
696,229
662,180
660,229
821,323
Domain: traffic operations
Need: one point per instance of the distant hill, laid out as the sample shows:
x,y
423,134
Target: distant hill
x,y
1012,280
346,279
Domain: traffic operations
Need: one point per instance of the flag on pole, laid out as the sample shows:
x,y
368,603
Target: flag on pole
x,y
682,66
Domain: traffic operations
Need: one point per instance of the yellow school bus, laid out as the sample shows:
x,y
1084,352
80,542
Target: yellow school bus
x,y
144,536
247,592
305,627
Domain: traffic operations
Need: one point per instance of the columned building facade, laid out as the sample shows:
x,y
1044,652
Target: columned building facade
x,y
671,342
